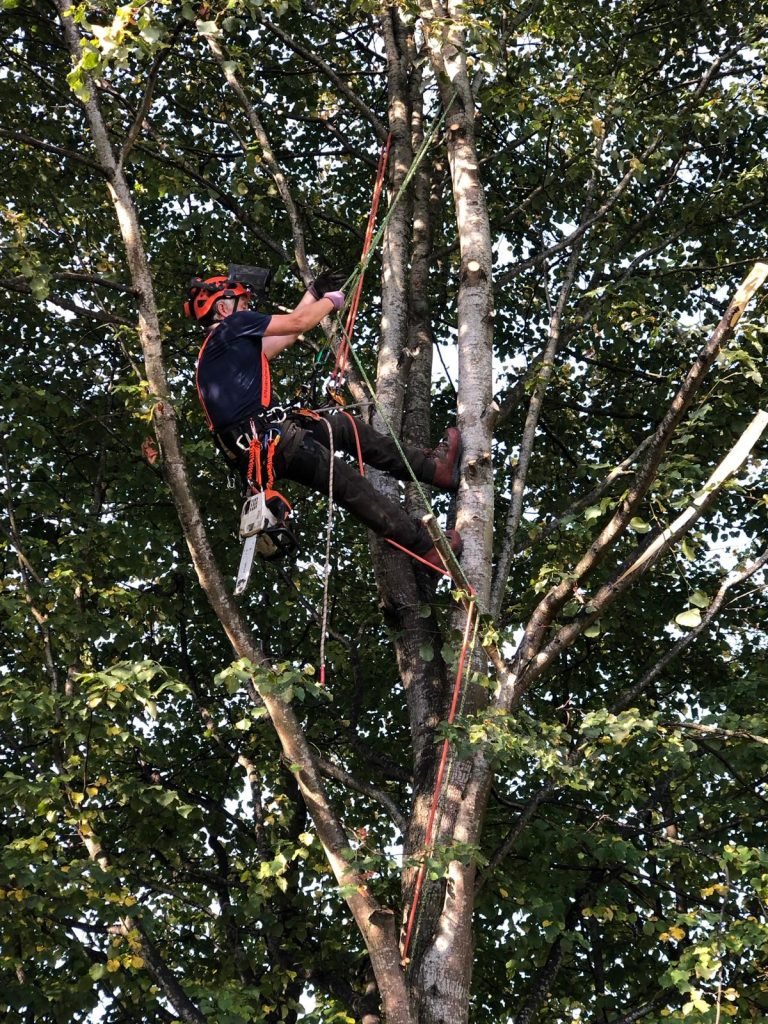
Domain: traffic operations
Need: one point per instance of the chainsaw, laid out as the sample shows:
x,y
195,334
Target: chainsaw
x,y
264,532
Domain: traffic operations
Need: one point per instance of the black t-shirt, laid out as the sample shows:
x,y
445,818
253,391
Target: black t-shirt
x,y
232,371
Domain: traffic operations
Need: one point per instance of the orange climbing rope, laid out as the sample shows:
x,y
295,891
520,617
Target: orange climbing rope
x,y
342,354
255,449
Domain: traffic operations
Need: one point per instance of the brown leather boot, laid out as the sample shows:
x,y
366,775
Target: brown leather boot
x,y
447,456
455,542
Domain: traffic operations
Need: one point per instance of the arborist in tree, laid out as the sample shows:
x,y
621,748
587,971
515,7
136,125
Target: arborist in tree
x,y
266,443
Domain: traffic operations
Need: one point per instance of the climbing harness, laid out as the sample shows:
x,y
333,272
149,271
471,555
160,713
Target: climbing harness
x,y
263,527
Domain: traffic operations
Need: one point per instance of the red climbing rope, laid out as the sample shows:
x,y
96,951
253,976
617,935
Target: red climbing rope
x,y
471,613
357,443
342,355
471,607
254,464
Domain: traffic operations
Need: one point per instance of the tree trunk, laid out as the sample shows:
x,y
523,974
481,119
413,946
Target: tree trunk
x,y
443,941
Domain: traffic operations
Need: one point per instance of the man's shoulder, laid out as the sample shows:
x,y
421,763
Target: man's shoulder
x,y
247,323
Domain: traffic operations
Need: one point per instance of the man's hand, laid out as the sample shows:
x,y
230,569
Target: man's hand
x,y
328,281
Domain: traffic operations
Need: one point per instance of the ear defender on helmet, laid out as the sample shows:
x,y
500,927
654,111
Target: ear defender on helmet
x,y
202,296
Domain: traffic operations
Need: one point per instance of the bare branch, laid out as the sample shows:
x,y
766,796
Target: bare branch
x,y
86,278
543,377
594,495
28,575
525,817
146,100
333,771
732,580
17,284
327,70
718,733
554,600
298,228
622,186
645,557
639,1012
49,147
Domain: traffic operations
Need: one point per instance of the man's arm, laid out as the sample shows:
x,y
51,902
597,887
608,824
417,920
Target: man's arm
x,y
284,328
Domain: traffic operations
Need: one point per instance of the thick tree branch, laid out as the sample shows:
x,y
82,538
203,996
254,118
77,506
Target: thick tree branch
x,y
49,147
375,923
645,557
333,771
627,700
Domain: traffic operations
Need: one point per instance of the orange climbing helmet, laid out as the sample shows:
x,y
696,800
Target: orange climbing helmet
x,y
202,295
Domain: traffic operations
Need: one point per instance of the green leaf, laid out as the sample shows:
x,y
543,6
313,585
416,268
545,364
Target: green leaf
x,y
639,525
208,28
688,550
689,619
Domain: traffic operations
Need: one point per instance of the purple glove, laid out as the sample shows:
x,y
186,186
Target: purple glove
x,y
337,298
